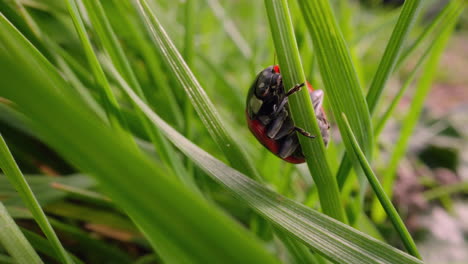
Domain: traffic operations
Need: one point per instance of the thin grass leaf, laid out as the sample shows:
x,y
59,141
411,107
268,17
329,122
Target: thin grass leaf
x,y
110,102
386,203
410,121
338,73
446,190
13,240
202,104
117,55
450,10
385,69
195,230
394,47
12,171
330,238
301,107
409,80
139,39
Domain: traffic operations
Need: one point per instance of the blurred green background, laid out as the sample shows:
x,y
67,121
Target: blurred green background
x,y
226,43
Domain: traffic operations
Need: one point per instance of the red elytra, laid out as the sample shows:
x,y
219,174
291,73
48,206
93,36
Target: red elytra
x,y
269,119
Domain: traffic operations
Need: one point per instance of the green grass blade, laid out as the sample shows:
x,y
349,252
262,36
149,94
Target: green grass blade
x,y
12,171
328,237
14,241
179,224
204,107
385,69
450,10
392,51
339,76
410,121
386,203
117,55
391,108
301,107
110,102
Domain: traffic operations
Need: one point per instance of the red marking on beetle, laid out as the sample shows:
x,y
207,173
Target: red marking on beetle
x,y
276,69
259,131
309,86
294,160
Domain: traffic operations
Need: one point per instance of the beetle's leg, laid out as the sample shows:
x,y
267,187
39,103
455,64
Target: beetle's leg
x,y
283,102
276,124
303,132
295,89
288,146
286,129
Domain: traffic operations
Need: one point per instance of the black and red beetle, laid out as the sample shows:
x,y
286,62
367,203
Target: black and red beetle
x,y
269,119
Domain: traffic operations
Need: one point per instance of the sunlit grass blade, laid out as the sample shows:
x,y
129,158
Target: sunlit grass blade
x,y
450,10
143,190
117,55
411,119
394,47
202,104
110,102
328,237
391,108
339,76
12,171
301,107
13,240
386,203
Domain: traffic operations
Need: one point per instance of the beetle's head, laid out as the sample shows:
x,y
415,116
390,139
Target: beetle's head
x,y
268,82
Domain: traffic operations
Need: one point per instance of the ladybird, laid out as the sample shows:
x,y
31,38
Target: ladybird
x,y
269,118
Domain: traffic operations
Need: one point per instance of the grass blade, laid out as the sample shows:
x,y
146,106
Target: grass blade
x,y
332,239
398,224
450,10
110,102
301,107
412,118
392,51
207,236
205,109
14,241
117,55
12,171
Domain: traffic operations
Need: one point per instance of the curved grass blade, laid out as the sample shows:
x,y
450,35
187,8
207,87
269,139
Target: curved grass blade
x,y
450,10
392,51
179,224
339,75
12,171
328,237
301,107
13,240
202,104
110,102
391,108
412,118
112,46
392,213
